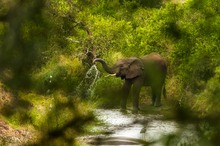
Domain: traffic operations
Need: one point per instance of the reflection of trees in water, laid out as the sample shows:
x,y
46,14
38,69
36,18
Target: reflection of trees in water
x,y
143,129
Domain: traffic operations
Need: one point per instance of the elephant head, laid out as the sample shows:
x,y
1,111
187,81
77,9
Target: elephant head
x,y
127,68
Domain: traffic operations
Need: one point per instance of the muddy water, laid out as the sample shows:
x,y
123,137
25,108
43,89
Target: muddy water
x,y
137,129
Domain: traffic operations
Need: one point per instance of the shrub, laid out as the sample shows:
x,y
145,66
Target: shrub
x,y
208,101
62,73
107,91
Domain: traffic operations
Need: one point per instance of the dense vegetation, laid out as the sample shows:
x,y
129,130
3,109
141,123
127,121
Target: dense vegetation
x,y
43,59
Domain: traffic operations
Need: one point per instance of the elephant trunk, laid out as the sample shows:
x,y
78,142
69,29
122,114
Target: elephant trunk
x,y
104,65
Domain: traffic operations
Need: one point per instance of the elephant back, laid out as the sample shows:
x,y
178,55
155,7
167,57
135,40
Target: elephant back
x,y
155,59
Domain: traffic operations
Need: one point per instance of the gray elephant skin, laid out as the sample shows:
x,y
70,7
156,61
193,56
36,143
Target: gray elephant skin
x,y
149,70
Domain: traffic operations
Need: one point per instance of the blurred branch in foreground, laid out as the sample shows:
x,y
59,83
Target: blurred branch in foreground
x,y
24,32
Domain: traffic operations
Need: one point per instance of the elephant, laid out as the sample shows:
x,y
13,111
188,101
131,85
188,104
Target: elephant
x,y
149,70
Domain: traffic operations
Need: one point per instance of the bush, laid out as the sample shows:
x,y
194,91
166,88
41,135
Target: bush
x,y
61,72
107,92
208,101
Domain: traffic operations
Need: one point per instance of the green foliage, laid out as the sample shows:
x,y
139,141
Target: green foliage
x,y
41,107
49,114
61,73
107,92
42,44
149,36
19,53
208,101
109,33
196,52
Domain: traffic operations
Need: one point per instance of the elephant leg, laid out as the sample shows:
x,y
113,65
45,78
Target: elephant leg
x,y
136,91
154,94
158,97
125,92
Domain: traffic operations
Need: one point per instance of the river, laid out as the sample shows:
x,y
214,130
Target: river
x,y
139,129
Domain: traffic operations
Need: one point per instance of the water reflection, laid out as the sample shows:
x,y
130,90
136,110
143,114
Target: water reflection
x,y
152,129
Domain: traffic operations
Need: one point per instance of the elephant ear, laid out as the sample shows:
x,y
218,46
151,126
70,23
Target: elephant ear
x,y
135,69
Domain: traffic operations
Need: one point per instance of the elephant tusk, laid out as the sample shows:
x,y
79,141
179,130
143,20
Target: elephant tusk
x,y
111,75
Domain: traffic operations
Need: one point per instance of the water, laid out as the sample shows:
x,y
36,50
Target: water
x,y
85,87
92,75
153,130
